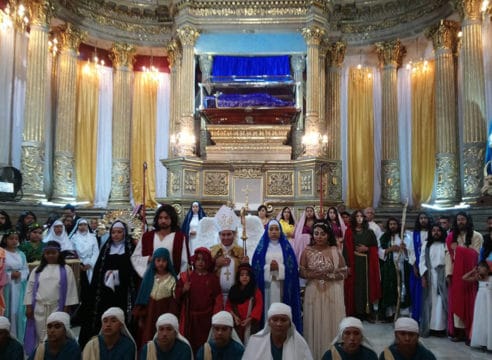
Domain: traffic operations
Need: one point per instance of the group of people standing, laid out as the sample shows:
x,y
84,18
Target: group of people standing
x,y
342,262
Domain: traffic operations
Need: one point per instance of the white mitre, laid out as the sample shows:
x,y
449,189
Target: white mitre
x,y
226,219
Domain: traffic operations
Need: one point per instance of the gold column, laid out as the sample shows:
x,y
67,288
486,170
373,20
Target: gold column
x,y
322,89
63,165
298,65
37,82
390,56
122,56
473,100
313,36
173,56
444,38
188,36
335,57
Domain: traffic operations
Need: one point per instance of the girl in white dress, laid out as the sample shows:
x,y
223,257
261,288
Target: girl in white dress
x,y
481,334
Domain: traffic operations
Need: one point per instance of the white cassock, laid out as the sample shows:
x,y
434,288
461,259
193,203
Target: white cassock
x,y
437,258
140,262
48,294
274,280
227,273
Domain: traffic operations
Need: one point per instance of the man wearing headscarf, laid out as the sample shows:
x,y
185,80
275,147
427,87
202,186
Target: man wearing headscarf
x,y
350,343
59,342
227,255
279,339
406,345
114,341
168,343
10,348
223,342
166,234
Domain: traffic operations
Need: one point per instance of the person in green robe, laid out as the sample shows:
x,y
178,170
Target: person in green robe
x,y
10,348
350,343
223,341
33,247
168,343
406,345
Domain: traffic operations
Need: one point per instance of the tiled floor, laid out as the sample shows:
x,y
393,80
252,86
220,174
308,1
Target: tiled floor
x,y
381,335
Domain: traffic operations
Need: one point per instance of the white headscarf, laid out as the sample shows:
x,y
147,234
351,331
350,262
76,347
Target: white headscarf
x,y
224,318
64,318
5,325
351,322
407,324
120,315
170,319
294,348
62,239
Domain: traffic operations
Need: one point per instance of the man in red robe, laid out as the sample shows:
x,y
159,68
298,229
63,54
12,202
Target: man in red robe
x,y
166,234
462,248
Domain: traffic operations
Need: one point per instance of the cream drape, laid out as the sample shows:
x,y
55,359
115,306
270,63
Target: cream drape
x,y
423,133
86,131
360,139
143,137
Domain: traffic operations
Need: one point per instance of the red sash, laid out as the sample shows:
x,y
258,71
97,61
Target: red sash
x,y
179,239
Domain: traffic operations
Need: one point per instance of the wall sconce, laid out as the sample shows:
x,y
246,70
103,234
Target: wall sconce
x,y
182,143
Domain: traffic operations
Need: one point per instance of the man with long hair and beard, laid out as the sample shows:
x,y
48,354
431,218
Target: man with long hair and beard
x,y
462,248
166,234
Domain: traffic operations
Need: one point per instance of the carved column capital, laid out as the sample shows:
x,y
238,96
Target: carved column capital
x,y
336,53
173,52
70,37
188,35
122,55
313,35
390,52
40,12
444,35
469,9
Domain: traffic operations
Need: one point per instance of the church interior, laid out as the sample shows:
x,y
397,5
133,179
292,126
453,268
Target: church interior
x,y
109,104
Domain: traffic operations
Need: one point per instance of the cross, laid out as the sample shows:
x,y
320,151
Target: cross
x,y
227,273
246,191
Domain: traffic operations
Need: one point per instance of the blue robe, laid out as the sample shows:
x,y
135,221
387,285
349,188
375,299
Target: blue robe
x,y
421,354
70,351
13,350
291,289
416,282
232,351
124,349
362,354
180,351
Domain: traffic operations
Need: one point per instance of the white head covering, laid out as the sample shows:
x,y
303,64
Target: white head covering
x,y
62,239
295,347
224,318
280,309
5,325
226,219
407,324
64,318
120,315
351,322
170,319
